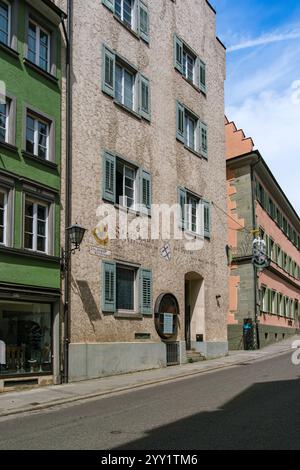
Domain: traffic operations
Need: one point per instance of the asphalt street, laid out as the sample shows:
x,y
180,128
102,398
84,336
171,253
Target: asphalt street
x,y
251,406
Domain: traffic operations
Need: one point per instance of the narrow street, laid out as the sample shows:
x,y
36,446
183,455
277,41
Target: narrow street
x,y
251,406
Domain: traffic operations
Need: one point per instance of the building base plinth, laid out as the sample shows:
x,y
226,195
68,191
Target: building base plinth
x,y
211,349
91,361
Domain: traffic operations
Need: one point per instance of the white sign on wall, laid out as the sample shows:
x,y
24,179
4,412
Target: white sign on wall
x,y
100,252
168,323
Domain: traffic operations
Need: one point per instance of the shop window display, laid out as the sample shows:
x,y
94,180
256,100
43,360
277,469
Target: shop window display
x,y
25,338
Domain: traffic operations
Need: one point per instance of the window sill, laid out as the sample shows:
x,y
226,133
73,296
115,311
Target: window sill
x,y
283,271
129,29
199,90
7,146
191,83
40,71
277,315
128,315
199,155
9,50
34,158
29,253
131,211
194,235
128,110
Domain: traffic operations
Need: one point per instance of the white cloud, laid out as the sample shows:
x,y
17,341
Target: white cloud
x,y
259,71
272,119
266,39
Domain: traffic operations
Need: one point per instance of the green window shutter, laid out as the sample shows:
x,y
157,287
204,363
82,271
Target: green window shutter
x,y
108,71
269,301
182,208
180,122
202,75
146,191
178,54
108,286
207,218
144,26
109,4
203,140
277,303
292,309
109,177
145,291
144,97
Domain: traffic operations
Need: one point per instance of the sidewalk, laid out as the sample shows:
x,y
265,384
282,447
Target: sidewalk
x,y
55,395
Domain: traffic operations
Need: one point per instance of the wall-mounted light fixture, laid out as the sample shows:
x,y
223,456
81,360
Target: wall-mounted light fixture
x,y
75,233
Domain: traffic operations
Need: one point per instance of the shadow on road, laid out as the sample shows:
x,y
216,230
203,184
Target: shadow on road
x,y
265,416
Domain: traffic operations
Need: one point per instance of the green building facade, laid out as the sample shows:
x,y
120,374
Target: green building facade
x,y
30,166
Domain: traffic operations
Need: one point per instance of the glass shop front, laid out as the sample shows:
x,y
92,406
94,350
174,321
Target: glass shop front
x,y
25,338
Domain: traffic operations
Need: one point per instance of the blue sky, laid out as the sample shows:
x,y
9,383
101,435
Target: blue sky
x,y
263,80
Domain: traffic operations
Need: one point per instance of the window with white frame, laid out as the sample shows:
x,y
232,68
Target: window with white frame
x,y
188,64
191,131
124,86
193,213
126,291
37,136
124,11
134,14
36,225
5,22
126,182
280,305
4,120
265,299
38,45
3,216
273,302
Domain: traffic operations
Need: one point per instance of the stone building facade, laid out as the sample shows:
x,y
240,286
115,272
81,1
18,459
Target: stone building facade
x,y
148,128
256,202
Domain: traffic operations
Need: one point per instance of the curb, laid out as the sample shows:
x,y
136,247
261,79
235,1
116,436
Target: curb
x,y
65,401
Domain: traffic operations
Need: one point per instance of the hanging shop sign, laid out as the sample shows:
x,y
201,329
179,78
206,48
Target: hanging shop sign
x,y
260,258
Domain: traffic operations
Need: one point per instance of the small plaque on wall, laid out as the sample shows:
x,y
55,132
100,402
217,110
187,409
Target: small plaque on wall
x,y
100,252
168,323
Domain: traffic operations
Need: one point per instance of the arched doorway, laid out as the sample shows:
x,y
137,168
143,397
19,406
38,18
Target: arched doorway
x,y
194,309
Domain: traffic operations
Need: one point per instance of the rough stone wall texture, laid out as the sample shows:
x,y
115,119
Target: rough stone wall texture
x,y
99,124
240,209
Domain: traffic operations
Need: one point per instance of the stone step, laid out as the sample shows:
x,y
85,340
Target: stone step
x,y
194,356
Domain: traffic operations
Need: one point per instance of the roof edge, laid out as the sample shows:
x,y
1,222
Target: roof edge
x,y
260,159
211,7
55,9
222,44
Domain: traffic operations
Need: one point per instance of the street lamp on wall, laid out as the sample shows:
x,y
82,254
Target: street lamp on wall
x,y
75,233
